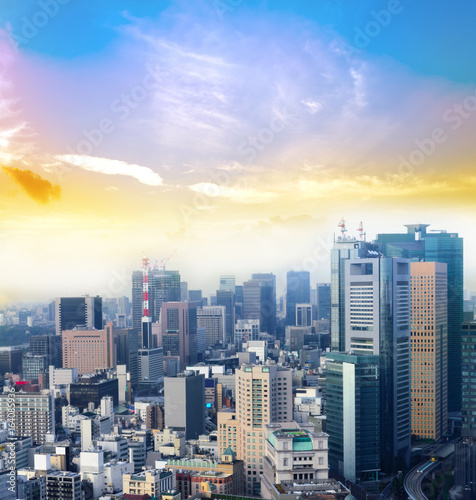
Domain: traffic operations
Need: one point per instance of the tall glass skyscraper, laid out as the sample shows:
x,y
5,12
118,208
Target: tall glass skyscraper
x,y
298,291
437,246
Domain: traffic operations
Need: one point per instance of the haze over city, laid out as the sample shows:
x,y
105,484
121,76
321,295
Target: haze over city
x,y
233,135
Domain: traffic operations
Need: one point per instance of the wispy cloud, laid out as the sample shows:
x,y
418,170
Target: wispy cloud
x,y
144,175
37,188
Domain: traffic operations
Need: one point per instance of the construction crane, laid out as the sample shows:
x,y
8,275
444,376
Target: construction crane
x,y
165,260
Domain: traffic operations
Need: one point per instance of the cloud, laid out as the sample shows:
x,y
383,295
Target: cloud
x,y
145,175
40,190
237,194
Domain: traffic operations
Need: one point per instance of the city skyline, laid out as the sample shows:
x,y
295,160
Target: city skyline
x,y
218,131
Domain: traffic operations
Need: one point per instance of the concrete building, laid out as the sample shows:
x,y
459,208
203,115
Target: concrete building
x,y
151,365
259,347
89,350
169,442
263,396
178,331
226,299
62,376
294,453
185,403
212,318
303,314
151,482
62,485
34,367
33,416
429,334
245,330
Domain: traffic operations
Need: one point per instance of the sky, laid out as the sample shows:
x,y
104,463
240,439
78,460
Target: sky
x,y
227,136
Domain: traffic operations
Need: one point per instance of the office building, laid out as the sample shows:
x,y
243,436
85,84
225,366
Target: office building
x,y
419,243
212,318
227,282
91,389
298,291
50,346
61,485
89,350
127,345
259,301
429,336
323,301
226,299
62,376
183,291
184,403
353,415
195,296
34,366
33,416
245,330
151,365
78,312
263,396
303,315
377,321
164,286
345,248
10,360
178,331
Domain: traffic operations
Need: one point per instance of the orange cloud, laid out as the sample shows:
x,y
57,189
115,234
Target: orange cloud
x,y
41,190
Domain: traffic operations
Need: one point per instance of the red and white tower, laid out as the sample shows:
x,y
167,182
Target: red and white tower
x,y
146,318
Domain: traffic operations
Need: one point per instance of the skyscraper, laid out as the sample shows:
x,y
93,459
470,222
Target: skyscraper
x,y
323,300
377,321
437,246
226,298
178,331
78,312
345,248
164,286
298,291
127,345
259,301
48,345
303,314
353,415
429,350
212,318
184,403
227,282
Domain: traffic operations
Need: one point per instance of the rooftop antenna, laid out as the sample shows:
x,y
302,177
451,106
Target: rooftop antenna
x,y
361,232
342,227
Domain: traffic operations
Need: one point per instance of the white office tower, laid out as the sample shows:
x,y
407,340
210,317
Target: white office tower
x,y
377,321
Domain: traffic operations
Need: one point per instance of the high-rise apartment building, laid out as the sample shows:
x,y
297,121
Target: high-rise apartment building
x,y
61,485
33,413
353,415
377,321
212,318
263,396
89,350
178,331
298,291
429,336
184,403
437,246
78,312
